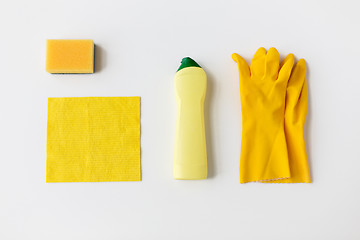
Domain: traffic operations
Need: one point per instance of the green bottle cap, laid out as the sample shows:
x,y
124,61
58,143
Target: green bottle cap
x,y
188,62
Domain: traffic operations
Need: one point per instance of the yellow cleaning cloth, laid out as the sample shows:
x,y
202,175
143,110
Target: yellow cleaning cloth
x,y
93,139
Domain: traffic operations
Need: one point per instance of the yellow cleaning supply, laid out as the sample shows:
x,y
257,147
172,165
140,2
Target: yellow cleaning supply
x,y
190,161
264,155
295,115
70,56
93,139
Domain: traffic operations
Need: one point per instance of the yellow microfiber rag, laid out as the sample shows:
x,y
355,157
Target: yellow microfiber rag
x,y
273,110
93,139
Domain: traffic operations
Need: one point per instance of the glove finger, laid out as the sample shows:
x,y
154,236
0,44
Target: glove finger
x,y
244,72
257,66
287,58
272,63
298,75
285,69
296,83
302,103
296,106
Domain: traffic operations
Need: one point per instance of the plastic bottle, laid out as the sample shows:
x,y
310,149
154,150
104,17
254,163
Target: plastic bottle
x,y
190,161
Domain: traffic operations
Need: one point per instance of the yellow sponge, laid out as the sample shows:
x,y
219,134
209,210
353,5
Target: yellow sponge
x,y
70,56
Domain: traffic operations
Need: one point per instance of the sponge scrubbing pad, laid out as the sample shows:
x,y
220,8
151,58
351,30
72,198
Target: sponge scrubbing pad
x,y
70,56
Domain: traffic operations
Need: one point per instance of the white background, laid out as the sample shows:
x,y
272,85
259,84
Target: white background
x,y
139,47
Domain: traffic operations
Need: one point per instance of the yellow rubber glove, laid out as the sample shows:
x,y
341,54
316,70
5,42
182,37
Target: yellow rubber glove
x,y
264,155
295,115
